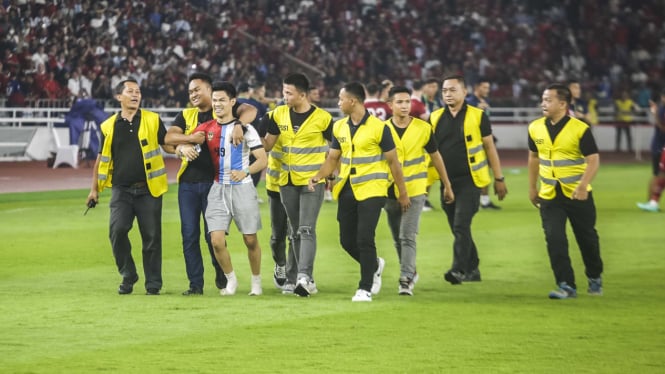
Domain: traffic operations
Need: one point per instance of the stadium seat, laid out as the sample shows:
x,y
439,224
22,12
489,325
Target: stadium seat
x,y
65,154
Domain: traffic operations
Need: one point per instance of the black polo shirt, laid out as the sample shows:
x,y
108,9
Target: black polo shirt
x,y
587,142
449,136
126,150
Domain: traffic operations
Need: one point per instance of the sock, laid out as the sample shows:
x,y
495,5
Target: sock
x,y
256,278
484,199
231,275
658,189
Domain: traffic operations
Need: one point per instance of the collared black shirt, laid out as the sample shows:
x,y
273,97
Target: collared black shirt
x,y
587,142
126,150
449,136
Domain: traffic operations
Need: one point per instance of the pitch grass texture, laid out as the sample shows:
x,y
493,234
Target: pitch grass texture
x,y
60,312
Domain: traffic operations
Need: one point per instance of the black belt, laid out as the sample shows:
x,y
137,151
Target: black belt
x,y
138,185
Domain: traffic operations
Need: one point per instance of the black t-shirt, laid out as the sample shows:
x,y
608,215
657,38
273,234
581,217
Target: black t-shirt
x,y
451,142
387,143
126,150
201,169
430,147
297,119
587,142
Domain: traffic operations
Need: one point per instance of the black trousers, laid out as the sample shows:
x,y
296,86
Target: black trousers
x,y
460,214
126,204
582,215
357,231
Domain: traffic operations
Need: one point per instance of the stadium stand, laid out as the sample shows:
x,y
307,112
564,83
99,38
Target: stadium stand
x,y
58,49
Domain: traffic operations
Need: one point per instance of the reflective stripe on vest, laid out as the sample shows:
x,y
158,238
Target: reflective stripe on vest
x,y
476,156
560,162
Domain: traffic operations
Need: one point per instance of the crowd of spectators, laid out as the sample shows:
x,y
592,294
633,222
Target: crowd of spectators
x,y
55,49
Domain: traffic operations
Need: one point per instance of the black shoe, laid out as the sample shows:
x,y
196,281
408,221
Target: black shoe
x,y
193,291
152,291
490,205
127,285
472,276
454,277
220,281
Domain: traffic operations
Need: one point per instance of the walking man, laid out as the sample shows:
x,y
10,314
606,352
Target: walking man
x,y
464,136
364,145
414,139
131,163
301,132
564,156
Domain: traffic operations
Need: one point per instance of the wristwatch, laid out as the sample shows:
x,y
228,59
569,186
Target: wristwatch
x,y
502,179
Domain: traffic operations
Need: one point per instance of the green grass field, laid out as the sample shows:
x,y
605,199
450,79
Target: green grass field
x,y
60,312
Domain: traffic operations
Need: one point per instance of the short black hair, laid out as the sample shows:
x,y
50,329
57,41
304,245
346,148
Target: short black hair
x,y
298,80
225,86
356,90
572,81
417,84
398,89
121,86
481,80
458,77
562,92
432,80
372,88
243,87
201,76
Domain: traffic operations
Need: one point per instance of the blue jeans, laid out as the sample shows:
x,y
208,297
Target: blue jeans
x,y
192,201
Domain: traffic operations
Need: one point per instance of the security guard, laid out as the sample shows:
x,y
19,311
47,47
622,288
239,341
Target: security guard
x,y
564,156
131,162
464,136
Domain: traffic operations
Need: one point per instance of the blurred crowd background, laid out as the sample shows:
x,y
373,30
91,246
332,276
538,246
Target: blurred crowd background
x,y
57,50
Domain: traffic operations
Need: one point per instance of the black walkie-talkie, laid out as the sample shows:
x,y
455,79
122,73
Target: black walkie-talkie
x,y
91,204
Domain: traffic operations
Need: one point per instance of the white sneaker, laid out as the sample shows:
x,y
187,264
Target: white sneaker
x,y
256,287
288,288
231,287
305,287
361,296
405,287
376,284
327,195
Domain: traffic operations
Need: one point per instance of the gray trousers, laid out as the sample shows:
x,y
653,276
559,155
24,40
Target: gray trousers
x,y
404,228
279,225
302,208
126,204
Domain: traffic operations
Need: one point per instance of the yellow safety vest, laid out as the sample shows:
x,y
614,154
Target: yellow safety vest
x,y
274,165
364,155
562,161
476,156
303,152
153,162
191,116
624,110
412,155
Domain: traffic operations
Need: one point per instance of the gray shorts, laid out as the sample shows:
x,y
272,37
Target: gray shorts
x,y
237,202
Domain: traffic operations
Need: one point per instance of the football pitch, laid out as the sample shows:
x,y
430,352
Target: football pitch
x,y
60,311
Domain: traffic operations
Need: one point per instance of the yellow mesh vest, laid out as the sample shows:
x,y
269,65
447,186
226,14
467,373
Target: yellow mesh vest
x,y
364,156
411,153
560,161
476,156
153,162
303,152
